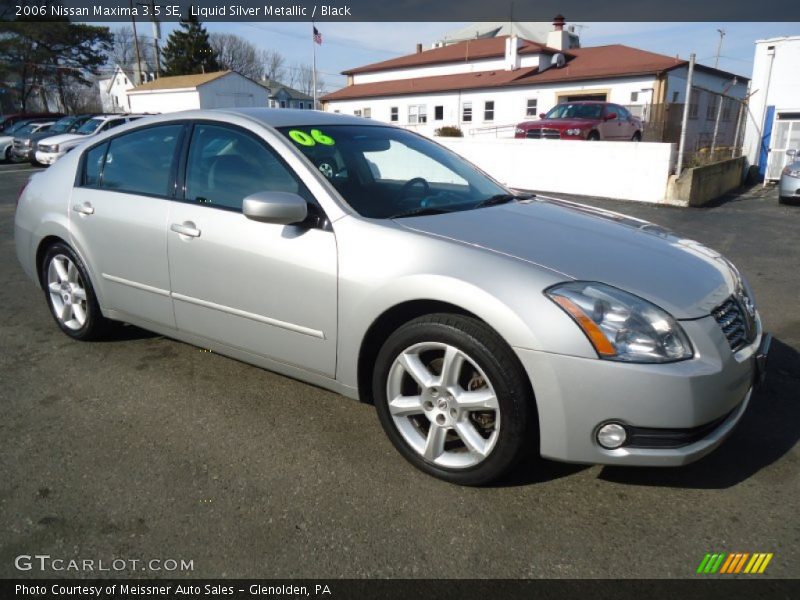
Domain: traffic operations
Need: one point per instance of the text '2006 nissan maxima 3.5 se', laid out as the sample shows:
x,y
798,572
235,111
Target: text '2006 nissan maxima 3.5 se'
x,y
369,260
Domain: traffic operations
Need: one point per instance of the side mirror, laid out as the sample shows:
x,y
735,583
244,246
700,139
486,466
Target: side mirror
x,y
281,208
542,115
611,116
791,152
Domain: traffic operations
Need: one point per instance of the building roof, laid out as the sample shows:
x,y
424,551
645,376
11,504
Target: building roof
x,y
276,86
494,47
536,31
179,82
600,62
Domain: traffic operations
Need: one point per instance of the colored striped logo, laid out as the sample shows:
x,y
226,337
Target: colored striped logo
x,y
734,563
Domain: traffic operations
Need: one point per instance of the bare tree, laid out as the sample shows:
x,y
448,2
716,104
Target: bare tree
x,y
124,50
301,77
238,54
274,65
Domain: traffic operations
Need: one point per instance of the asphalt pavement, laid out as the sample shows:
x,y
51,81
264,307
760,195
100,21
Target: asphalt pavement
x,y
143,448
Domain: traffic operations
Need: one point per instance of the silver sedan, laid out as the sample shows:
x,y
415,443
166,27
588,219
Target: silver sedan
x,y
482,323
789,184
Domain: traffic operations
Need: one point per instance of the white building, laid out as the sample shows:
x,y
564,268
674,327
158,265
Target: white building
x,y
774,123
486,86
222,89
114,89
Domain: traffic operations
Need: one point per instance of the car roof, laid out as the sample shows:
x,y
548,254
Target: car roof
x,y
586,102
293,117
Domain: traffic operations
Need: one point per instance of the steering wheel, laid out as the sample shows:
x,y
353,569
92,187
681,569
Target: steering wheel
x,y
411,183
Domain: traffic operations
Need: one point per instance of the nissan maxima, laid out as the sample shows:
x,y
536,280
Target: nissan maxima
x,y
481,322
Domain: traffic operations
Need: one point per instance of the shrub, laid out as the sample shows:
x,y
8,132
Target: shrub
x,y
449,131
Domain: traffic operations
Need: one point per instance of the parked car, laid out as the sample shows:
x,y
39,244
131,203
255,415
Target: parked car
x,y
586,120
27,128
482,323
50,149
789,184
24,147
10,119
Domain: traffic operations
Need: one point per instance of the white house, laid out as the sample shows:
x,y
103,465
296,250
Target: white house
x,y
114,89
774,123
221,89
485,86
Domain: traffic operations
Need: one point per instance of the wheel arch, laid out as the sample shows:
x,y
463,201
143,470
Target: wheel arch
x,y
393,318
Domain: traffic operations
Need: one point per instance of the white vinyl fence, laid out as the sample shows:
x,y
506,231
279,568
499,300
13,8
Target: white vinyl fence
x,y
624,170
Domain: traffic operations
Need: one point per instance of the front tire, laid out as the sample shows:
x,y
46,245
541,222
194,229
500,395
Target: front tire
x,y
593,136
453,399
637,137
70,294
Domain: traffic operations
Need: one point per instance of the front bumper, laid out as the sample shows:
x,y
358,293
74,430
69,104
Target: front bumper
x,y
48,158
22,154
789,187
697,402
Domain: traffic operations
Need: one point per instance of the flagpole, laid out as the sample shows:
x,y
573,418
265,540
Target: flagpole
x,y
314,65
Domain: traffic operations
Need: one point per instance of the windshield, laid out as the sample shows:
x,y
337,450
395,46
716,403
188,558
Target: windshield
x,y
575,111
29,128
90,126
384,172
63,125
15,127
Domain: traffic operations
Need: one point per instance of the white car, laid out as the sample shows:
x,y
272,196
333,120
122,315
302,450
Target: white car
x,y
6,141
49,150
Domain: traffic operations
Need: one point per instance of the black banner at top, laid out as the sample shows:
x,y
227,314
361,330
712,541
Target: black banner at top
x,y
403,10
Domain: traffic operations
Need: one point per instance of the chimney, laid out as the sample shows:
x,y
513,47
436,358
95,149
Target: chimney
x,y
559,38
512,53
419,48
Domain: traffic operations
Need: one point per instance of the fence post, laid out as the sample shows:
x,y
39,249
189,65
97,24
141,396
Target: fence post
x,y
685,121
738,127
716,127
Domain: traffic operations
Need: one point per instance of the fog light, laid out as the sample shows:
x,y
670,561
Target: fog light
x,y
611,435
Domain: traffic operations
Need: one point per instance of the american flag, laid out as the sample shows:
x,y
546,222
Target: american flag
x,y
317,36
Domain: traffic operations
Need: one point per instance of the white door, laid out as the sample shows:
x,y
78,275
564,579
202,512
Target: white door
x,y
785,135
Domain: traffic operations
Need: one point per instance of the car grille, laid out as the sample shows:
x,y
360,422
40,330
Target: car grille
x,y
736,323
543,134
19,144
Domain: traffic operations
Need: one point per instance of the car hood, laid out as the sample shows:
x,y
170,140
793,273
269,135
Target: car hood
x,y
62,138
581,242
561,123
6,139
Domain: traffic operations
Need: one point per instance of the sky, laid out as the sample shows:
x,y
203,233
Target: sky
x,y
348,45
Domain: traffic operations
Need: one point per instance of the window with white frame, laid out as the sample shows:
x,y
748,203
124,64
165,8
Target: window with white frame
x,y
367,113
417,113
488,110
438,113
634,96
394,114
357,112
466,112
531,107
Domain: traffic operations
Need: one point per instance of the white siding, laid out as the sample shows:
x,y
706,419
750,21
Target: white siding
x,y
509,104
232,90
164,101
775,83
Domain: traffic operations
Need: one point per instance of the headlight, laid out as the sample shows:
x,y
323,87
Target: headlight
x,y
573,132
622,326
520,131
789,172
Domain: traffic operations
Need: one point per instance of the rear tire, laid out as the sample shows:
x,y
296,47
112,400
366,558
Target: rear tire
x,y
70,295
461,404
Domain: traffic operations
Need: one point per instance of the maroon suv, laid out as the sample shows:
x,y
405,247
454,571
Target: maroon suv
x,y
584,120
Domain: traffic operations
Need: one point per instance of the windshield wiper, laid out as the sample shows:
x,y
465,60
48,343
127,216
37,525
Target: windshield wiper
x,y
421,211
502,199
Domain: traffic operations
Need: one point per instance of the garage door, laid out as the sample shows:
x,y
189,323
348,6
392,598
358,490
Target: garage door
x,y
785,135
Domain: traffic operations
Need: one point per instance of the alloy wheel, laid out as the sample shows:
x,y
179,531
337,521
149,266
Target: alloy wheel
x,y
67,292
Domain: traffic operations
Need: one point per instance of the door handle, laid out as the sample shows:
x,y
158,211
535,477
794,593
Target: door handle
x,y
84,209
188,229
